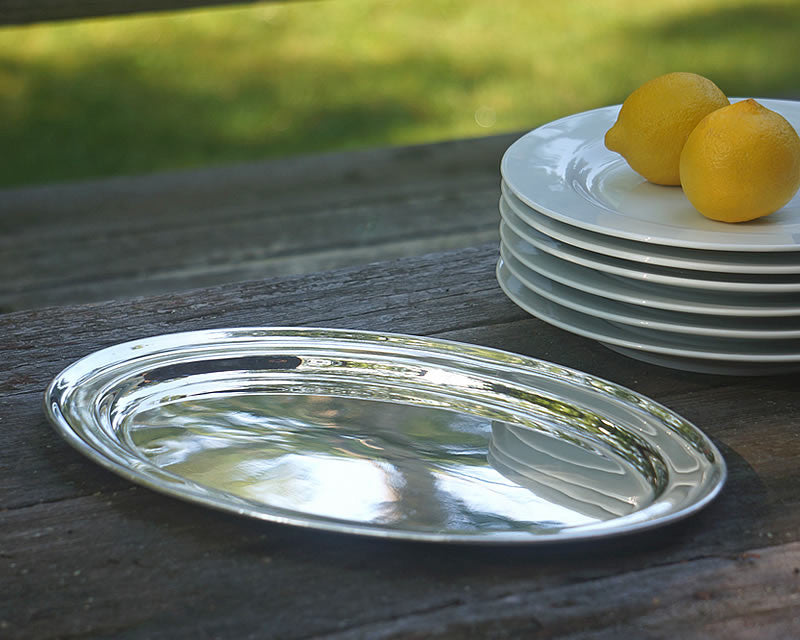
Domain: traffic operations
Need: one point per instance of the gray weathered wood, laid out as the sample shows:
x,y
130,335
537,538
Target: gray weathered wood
x,y
733,597
86,554
27,11
122,237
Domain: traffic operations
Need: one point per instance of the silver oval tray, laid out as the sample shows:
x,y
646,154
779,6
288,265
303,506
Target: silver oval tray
x,y
385,435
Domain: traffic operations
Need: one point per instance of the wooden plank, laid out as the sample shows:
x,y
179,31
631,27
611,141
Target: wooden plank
x,y
454,290
147,235
85,553
28,11
195,572
752,595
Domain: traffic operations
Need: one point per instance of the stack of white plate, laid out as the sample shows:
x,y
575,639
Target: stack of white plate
x,y
591,247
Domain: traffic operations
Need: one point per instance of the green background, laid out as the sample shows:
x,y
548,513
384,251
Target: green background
x,y
139,94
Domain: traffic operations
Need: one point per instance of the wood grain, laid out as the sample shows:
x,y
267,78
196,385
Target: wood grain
x,y
87,554
123,237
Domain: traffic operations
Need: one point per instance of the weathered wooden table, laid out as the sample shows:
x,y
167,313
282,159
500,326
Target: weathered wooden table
x,y
87,554
129,236
84,553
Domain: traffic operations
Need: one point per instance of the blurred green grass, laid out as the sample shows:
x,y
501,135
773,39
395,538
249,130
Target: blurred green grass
x,y
139,94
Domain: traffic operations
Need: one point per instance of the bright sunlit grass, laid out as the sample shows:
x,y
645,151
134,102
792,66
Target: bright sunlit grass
x,y
139,94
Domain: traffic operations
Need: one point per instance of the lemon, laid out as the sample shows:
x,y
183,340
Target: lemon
x,y
657,118
740,163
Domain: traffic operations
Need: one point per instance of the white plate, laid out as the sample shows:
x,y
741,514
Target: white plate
x,y
707,355
695,259
709,281
658,296
564,170
647,318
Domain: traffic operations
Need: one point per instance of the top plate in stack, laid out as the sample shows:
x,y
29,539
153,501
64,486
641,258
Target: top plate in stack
x,y
575,213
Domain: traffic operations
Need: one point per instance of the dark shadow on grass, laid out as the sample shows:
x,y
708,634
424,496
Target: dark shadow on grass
x,y
780,78
778,19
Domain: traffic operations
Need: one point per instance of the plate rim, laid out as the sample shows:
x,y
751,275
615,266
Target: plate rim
x,y
609,245
638,271
635,292
637,342
711,485
664,324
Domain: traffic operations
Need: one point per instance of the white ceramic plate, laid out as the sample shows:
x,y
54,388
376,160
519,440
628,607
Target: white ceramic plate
x,y
564,170
707,280
679,257
658,296
647,318
705,355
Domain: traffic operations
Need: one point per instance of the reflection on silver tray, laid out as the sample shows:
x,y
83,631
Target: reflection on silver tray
x,y
384,435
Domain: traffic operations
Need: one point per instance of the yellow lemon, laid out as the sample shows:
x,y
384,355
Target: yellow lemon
x,y
740,163
656,119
